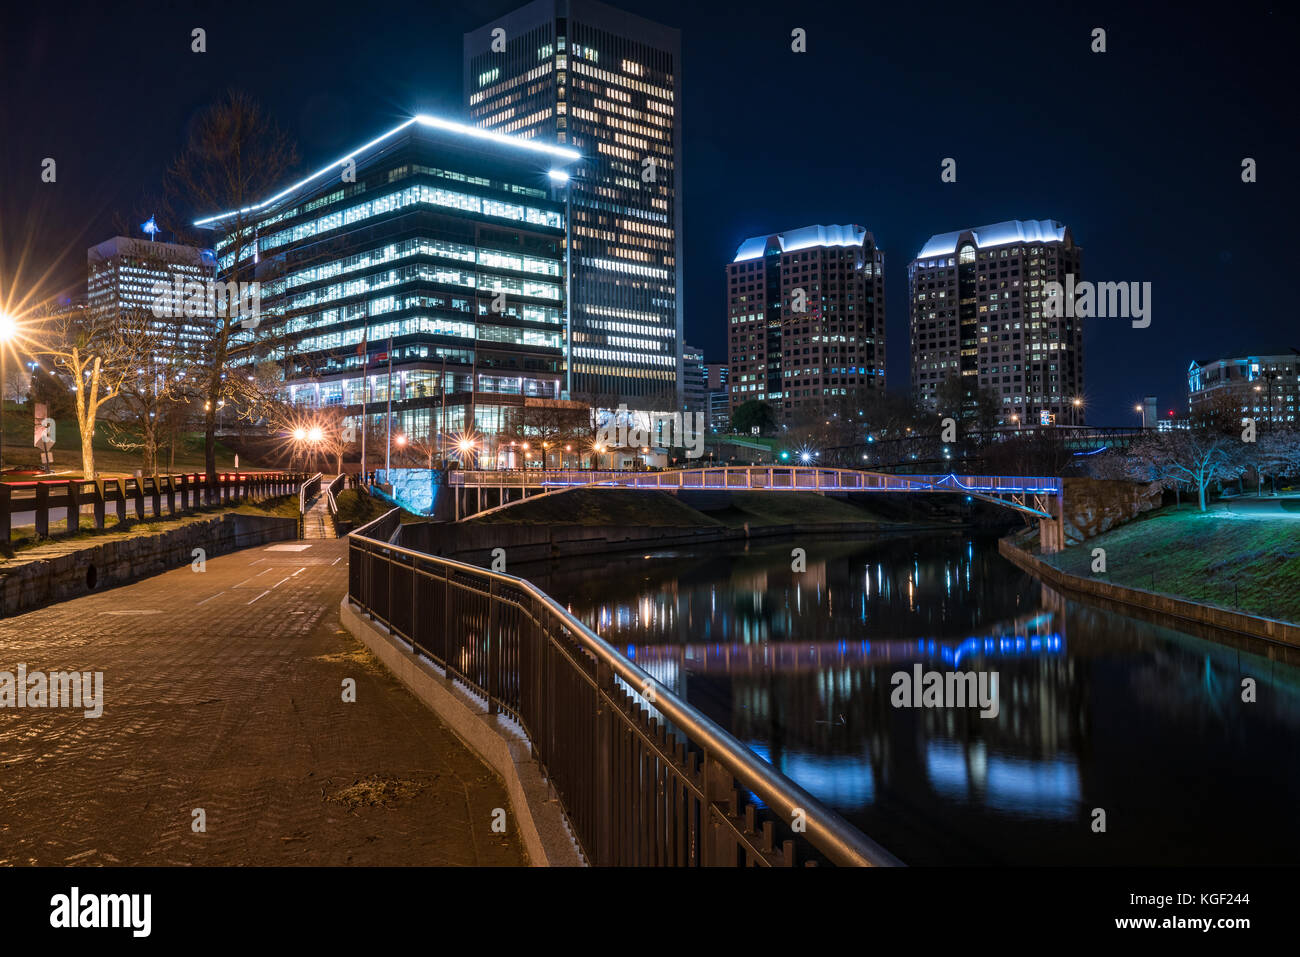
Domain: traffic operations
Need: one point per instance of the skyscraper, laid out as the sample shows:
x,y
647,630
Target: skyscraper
x,y
164,285
806,314
436,250
608,84
976,303
695,379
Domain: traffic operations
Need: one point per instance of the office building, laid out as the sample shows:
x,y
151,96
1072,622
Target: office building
x,y
976,315
165,286
806,321
1262,387
437,249
607,83
695,380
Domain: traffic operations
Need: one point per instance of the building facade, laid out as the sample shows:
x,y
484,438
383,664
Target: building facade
x,y
608,84
165,285
437,251
976,315
806,320
1262,387
695,380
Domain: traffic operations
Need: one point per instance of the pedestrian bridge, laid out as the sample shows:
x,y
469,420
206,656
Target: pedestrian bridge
x,y
1037,496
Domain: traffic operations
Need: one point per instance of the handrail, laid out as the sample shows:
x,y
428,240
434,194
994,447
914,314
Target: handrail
x,y
331,490
310,487
828,833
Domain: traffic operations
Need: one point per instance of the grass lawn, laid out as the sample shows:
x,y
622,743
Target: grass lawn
x,y
20,452
360,508
1235,560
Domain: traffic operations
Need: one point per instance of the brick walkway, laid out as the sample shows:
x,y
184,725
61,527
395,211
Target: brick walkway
x,y
223,691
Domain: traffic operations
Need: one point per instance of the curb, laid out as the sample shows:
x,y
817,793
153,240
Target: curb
x,y
501,745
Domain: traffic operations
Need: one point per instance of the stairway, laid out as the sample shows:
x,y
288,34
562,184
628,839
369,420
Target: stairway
x,y
317,522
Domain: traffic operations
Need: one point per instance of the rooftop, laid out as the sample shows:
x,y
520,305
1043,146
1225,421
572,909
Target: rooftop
x,y
803,238
560,153
997,234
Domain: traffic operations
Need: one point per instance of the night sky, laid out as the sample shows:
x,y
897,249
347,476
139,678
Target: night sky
x,y
1138,149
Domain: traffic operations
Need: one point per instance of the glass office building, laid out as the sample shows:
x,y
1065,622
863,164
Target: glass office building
x,y
438,248
607,83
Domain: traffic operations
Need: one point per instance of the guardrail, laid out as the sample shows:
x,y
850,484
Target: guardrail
x,y
333,489
644,778
789,477
193,490
308,488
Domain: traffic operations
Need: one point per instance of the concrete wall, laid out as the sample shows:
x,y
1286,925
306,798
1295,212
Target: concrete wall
x,y
500,744
86,567
1166,606
527,543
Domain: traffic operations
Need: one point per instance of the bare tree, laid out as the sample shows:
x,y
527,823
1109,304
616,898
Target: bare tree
x,y
92,353
234,158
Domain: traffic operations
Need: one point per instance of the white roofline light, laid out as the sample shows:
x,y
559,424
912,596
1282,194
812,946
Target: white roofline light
x,y
424,120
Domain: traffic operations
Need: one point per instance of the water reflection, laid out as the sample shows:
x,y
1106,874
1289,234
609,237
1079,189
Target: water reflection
x,y
1097,709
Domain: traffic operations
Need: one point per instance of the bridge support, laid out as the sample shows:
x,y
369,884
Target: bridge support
x,y
1051,531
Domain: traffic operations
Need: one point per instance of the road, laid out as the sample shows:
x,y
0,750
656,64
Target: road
x,y
223,691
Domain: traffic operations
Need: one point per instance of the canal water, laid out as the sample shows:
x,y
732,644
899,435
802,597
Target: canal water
x,y
1097,711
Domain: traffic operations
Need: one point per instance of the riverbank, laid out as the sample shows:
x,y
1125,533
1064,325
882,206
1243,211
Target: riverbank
x,y
1169,606
1243,556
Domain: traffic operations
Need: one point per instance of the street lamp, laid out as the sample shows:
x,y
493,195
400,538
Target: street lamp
x,y
8,330
1141,409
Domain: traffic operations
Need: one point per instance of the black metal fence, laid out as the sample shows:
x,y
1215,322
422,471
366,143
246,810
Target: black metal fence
x,y
132,498
644,778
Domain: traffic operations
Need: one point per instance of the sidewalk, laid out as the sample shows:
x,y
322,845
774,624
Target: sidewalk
x,y
222,690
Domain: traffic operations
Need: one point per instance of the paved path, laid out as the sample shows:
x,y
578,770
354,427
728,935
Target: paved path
x,y
223,691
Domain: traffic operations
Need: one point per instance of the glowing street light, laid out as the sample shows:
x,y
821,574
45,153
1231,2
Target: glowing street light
x,y
8,332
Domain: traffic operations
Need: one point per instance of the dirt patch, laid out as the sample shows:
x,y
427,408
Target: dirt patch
x,y
375,791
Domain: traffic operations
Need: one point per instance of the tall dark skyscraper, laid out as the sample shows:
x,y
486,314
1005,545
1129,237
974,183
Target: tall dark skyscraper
x,y
806,318
977,315
608,84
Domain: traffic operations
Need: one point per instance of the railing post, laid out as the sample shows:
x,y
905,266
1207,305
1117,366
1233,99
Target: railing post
x,y
6,517
120,502
42,506
74,507
99,505
604,768
493,647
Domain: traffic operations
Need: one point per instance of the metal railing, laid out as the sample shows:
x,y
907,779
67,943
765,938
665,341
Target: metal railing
x,y
644,778
307,490
332,490
770,477
145,497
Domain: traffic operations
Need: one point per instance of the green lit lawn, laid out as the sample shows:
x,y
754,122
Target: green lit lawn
x,y
1230,558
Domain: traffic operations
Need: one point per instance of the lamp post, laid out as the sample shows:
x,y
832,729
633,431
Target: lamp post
x,y
8,329
1141,410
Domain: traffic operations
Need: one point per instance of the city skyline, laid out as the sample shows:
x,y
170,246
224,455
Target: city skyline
x,y
1123,212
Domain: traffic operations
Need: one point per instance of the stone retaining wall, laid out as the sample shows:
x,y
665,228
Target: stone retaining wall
x,y
81,567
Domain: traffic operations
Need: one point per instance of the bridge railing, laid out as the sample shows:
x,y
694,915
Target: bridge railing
x,y
644,778
775,477
136,498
